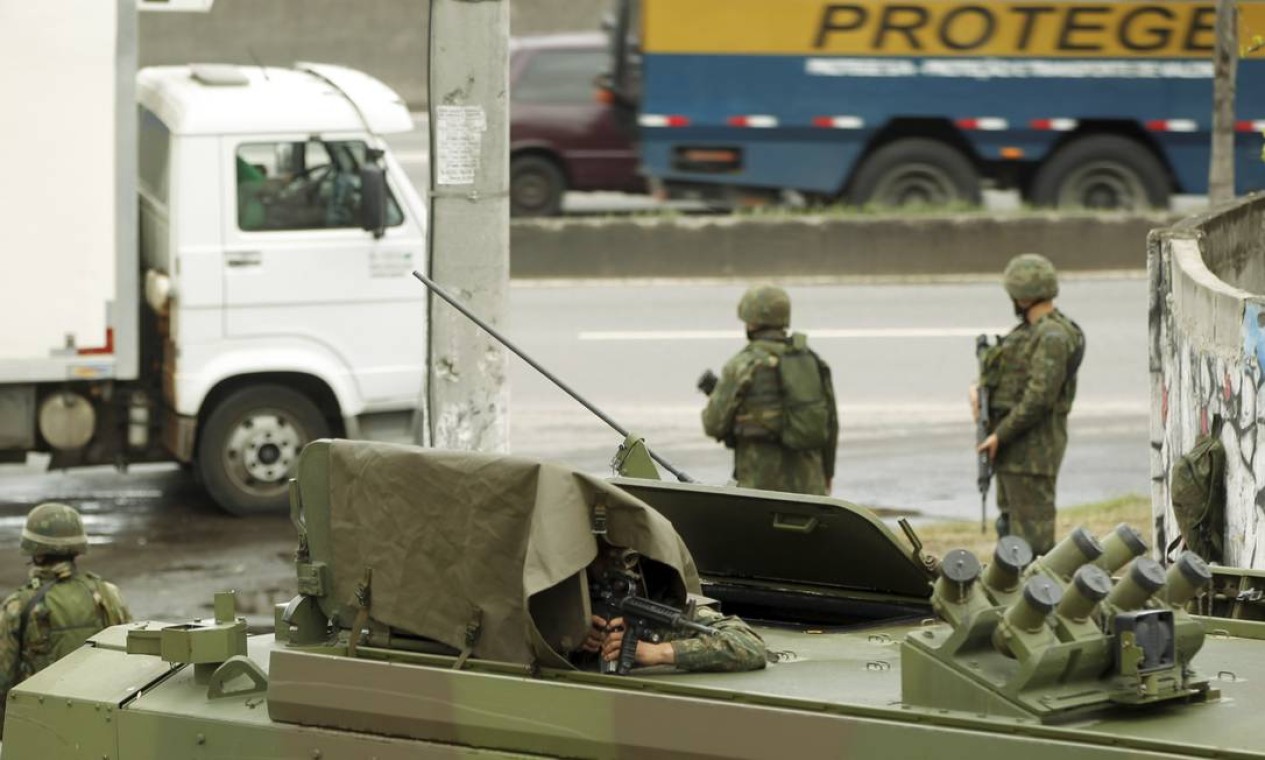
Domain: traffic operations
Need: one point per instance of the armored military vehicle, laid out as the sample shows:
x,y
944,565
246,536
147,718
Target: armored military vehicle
x,y
440,595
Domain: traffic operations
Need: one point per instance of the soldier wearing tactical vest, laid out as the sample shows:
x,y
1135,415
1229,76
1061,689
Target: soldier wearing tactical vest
x,y
1031,375
774,403
60,607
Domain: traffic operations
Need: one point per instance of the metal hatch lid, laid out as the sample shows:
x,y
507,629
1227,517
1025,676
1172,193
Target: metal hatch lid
x,y
739,533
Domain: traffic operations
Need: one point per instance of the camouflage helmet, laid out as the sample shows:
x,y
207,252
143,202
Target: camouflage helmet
x,y
1031,277
54,529
765,306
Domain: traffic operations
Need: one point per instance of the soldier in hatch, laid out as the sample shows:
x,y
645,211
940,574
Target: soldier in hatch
x,y
1031,374
60,607
734,646
774,403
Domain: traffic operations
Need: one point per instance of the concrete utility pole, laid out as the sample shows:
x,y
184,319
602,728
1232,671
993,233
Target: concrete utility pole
x,y
469,222
1221,168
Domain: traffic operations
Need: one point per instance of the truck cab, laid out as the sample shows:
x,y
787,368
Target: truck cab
x,y
211,263
279,319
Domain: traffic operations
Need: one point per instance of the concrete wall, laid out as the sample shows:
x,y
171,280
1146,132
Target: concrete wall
x,y
747,247
386,38
1207,358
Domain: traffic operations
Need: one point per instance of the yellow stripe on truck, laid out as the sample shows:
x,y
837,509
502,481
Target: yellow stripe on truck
x,y
940,28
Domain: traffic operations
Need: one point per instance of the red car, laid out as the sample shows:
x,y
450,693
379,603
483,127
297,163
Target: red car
x,y
561,136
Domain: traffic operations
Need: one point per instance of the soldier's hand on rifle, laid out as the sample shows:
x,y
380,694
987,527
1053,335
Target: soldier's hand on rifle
x,y
647,653
990,445
973,394
707,382
597,632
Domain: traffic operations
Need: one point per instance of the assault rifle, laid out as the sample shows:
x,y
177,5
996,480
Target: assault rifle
x,y
615,596
982,425
629,439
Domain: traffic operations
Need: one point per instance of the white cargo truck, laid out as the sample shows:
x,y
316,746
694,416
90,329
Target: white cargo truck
x,y
206,264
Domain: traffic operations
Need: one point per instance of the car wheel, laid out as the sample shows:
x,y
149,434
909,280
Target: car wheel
x,y
1102,172
916,172
249,447
536,187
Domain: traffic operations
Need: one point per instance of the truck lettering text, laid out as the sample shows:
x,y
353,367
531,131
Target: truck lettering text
x,y
1203,23
1156,37
957,20
1004,29
916,18
1030,14
830,21
1072,27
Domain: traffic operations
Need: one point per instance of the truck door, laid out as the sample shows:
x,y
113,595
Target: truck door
x,y
301,275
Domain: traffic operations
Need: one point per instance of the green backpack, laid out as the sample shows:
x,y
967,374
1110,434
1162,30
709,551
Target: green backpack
x,y
808,406
1197,492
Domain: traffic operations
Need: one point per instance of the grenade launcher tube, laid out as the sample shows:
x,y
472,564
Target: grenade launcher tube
x,y
435,288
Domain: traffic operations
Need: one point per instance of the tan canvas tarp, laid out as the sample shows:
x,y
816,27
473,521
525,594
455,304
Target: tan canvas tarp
x,y
457,538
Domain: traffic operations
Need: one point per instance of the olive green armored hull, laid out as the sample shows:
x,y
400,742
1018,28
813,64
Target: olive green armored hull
x,y
839,696
407,558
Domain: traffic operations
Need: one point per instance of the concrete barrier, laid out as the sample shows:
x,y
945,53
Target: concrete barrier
x,y
1207,359
808,246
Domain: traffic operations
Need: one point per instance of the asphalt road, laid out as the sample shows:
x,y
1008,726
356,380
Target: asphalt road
x,y
902,356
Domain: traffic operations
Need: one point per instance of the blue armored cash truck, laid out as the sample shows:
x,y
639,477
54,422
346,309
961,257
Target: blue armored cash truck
x,y
1098,104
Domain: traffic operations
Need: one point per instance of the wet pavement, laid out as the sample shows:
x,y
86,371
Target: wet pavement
x,y
900,369
156,534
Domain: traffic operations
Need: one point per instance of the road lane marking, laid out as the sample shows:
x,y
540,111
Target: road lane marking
x,y
847,334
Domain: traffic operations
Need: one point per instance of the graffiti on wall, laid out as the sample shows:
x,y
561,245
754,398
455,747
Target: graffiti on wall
x,y
1193,386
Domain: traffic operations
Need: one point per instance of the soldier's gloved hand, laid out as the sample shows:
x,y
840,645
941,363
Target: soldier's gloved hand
x,y
647,653
597,632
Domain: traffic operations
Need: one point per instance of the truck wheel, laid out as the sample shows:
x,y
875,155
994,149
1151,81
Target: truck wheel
x,y
916,172
249,446
1102,172
536,187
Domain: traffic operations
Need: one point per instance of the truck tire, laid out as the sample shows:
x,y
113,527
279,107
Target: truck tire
x,y
1102,172
916,172
536,187
250,443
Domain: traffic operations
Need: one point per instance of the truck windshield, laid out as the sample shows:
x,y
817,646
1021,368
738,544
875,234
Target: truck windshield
x,y
307,185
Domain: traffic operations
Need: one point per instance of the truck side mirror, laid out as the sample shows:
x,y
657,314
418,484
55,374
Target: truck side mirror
x,y
373,198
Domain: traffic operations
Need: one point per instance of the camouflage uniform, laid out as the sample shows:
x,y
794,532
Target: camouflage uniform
x,y
736,647
748,389
1032,379
57,610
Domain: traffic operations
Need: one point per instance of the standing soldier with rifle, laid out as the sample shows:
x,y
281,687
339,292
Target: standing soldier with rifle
x,y
1029,379
774,403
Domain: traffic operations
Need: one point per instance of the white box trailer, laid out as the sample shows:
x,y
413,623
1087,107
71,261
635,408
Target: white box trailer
x,y
69,230
206,264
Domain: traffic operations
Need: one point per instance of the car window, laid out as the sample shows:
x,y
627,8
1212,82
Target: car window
x,y
560,76
302,185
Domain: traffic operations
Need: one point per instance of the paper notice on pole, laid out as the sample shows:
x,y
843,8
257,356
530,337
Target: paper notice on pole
x,y
459,143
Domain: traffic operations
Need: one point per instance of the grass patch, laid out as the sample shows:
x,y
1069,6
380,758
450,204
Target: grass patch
x,y
1099,517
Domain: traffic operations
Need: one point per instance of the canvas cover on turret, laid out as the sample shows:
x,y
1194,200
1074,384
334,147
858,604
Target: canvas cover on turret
x,y
461,542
